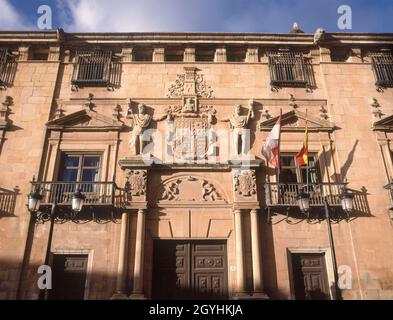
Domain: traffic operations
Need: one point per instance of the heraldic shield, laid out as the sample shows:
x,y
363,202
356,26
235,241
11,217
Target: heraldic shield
x,y
191,138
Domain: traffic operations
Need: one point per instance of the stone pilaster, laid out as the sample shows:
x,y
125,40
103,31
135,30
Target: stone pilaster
x,y
325,55
54,54
24,53
356,55
127,54
220,55
189,55
159,55
252,55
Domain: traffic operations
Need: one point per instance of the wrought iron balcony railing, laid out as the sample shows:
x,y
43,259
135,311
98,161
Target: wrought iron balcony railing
x,y
389,187
60,193
285,194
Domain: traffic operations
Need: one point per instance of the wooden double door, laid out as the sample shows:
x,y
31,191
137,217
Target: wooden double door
x,y
190,270
69,277
310,277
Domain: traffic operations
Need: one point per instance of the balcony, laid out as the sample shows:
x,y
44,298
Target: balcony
x,y
287,197
389,187
60,193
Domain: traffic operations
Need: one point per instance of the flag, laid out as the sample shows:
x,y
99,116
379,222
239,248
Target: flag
x,y
272,145
302,156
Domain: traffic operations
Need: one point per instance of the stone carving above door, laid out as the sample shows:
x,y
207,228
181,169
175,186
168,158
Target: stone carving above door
x,y
191,190
188,84
244,182
136,181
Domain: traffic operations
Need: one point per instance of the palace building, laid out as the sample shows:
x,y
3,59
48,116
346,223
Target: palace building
x,y
131,164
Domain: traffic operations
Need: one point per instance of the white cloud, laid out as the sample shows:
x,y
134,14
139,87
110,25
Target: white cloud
x,y
144,15
10,19
211,15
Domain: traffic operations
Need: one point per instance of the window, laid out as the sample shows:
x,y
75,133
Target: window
x,y
204,54
92,68
340,54
236,54
7,67
143,54
3,61
80,168
174,54
289,69
383,68
291,173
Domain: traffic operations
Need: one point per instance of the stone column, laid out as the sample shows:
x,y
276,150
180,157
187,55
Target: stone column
x,y
137,292
122,266
256,256
159,55
240,288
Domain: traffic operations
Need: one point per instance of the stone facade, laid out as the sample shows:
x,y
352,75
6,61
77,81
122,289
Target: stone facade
x,y
193,80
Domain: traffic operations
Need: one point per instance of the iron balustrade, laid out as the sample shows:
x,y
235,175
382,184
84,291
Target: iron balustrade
x,y
383,68
92,68
284,194
7,201
287,69
60,193
4,66
389,187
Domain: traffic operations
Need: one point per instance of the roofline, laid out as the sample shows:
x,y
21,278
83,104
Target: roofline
x,y
249,38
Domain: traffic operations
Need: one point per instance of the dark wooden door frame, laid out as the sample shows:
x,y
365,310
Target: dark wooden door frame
x,y
328,267
89,254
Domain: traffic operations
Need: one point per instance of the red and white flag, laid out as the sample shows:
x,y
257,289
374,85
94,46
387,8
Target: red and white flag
x,y
272,145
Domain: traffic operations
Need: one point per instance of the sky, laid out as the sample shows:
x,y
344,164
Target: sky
x,y
275,16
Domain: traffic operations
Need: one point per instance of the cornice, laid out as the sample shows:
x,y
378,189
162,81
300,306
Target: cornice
x,y
184,38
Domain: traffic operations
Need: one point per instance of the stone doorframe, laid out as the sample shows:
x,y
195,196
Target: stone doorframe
x,y
328,264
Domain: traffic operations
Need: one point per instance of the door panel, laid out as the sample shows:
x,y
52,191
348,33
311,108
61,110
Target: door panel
x,y
69,277
310,276
189,270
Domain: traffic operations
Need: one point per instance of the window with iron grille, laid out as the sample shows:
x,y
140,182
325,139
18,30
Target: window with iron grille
x,y
383,68
3,65
288,68
92,68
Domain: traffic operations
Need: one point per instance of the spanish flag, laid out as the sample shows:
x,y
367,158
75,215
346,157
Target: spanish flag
x,y
302,156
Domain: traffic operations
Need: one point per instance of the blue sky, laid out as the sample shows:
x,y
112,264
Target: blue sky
x,y
198,15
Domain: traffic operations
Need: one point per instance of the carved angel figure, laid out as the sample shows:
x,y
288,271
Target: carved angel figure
x,y
171,191
210,193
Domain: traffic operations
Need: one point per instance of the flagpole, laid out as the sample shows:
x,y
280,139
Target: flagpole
x,y
279,161
308,163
